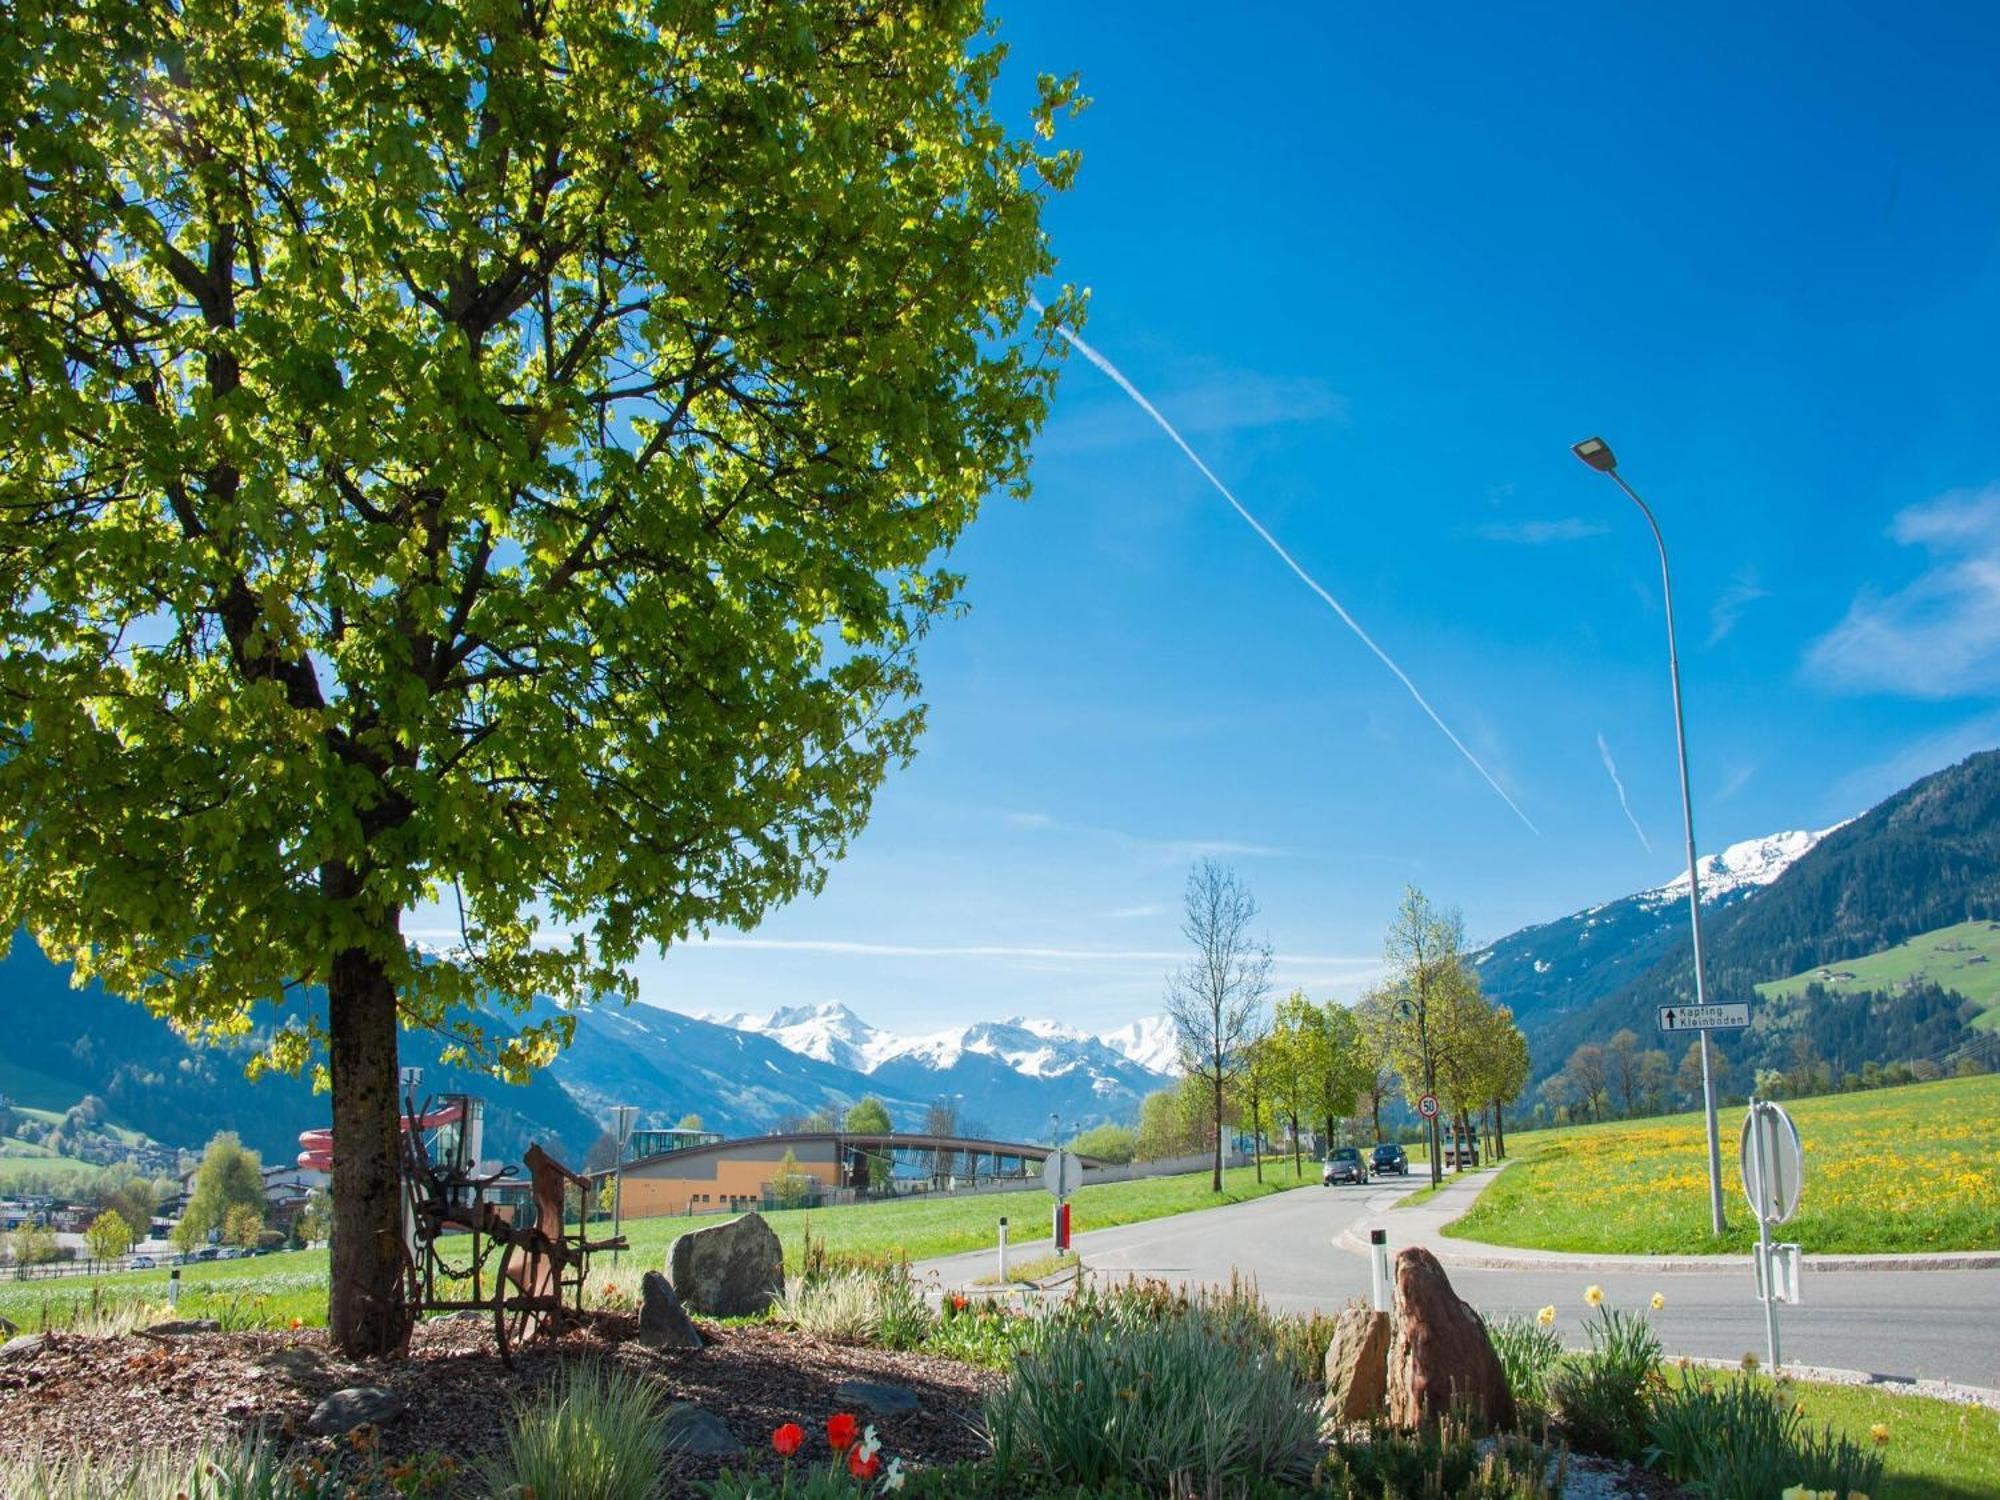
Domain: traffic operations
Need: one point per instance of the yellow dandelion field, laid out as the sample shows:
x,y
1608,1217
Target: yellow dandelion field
x,y
1904,1169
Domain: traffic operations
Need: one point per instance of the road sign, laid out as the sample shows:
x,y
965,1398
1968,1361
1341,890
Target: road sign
x,y
1773,1164
1705,1017
1062,1173
1427,1106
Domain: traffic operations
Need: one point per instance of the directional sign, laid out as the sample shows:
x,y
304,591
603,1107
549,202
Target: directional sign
x,y
1774,1167
1705,1017
1062,1173
1427,1106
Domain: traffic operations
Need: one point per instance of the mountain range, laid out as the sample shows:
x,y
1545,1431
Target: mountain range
x,y
1923,859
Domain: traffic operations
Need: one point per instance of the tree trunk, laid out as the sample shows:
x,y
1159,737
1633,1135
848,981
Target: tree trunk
x,y
1215,1178
366,1314
1375,1104
1327,1144
1297,1170
1499,1133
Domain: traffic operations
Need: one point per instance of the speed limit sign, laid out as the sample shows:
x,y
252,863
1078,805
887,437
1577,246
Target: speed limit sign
x,y
1427,1106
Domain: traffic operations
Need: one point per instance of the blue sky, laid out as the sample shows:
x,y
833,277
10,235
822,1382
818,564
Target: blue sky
x,y
1382,266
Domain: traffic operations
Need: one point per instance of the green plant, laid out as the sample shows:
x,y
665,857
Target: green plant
x,y
250,1470
1529,1351
1157,1389
981,1332
1439,1461
855,1306
1601,1396
1743,1439
593,1434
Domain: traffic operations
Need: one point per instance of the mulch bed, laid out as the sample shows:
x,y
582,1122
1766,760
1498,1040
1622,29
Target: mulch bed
x,y
109,1396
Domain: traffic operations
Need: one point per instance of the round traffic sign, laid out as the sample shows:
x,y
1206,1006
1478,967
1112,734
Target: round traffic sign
x,y
1427,1106
1774,1166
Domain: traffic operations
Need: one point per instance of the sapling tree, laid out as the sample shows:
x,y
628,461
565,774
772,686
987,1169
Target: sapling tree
x,y
485,460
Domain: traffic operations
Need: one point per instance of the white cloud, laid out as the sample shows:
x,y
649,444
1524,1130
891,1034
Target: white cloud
x,y
1542,533
1162,850
1742,592
1124,913
1939,635
1345,964
1866,785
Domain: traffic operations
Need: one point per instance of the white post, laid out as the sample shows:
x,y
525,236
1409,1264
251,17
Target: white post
x,y
1003,1250
1378,1269
1767,1271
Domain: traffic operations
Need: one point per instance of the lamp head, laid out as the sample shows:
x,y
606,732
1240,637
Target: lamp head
x,y
1597,453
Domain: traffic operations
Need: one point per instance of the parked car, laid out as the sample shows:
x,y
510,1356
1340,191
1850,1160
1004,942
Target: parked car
x,y
1389,1157
1344,1164
142,1262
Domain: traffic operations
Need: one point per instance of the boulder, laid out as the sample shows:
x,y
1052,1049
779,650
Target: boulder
x,y
1357,1367
1441,1359
185,1325
356,1406
23,1349
663,1322
730,1270
875,1397
8,1328
688,1428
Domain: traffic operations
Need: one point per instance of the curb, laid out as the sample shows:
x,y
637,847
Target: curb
x,y
1479,1257
1891,1385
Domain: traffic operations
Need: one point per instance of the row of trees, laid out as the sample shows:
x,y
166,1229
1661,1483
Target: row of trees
x,y
1427,1029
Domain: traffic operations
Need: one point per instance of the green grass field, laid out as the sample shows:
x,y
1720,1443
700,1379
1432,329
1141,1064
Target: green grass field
x,y
1937,1450
1964,957
1901,1169
270,1290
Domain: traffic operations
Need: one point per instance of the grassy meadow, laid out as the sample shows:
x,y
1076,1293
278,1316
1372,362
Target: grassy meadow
x,y
1964,957
1902,1169
268,1291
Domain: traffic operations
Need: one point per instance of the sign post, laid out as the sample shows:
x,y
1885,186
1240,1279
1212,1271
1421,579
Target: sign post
x,y
1773,1174
623,1116
1062,1174
1730,1017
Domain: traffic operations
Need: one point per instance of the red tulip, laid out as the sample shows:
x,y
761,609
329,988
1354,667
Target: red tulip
x,y
863,1468
788,1438
841,1431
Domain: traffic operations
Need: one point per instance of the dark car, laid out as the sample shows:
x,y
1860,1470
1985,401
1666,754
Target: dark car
x,y
1343,1164
1390,1157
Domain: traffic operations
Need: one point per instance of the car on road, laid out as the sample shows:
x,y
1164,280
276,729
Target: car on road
x,y
1389,1157
1344,1164
142,1262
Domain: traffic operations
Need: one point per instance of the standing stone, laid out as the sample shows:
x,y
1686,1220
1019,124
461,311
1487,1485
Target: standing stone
x,y
346,1410
1357,1367
663,1322
1441,1359
687,1428
731,1270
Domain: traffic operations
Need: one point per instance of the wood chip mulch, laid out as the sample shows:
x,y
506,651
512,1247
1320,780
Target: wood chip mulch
x,y
111,1396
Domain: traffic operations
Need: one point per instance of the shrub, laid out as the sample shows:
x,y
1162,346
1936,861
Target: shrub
x,y
1741,1437
593,1434
249,1470
858,1307
1439,1460
1155,1389
1601,1396
1530,1352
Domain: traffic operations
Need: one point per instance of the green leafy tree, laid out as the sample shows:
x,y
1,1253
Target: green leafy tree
x,y
791,1185
868,1117
134,1199
108,1236
314,1221
32,1245
484,455
243,1224
690,1121
1112,1143
230,1176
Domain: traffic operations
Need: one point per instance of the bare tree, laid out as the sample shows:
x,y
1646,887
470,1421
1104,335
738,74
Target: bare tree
x,y
1216,998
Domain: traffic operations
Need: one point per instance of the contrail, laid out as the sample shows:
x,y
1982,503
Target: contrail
x,y
1291,562
1610,765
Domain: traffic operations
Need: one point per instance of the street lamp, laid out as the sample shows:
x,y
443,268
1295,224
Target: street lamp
x,y
622,1116
1597,453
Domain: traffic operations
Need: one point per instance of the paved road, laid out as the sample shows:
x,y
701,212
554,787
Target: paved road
x,y
1941,1325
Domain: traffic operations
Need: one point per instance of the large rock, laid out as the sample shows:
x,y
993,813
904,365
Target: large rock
x,y
876,1397
663,1322
1357,1366
1441,1359
687,1428
730,1270
21,1350
356,1406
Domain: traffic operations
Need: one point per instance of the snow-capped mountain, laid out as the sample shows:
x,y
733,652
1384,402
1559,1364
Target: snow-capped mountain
x,y
1754,862
1150,1041
829,1032
1556,967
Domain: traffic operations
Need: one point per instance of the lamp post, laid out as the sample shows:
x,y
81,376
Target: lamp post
x,y
1597,453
